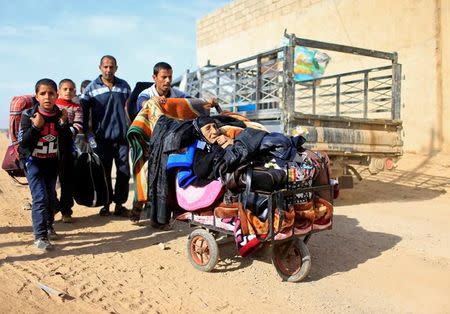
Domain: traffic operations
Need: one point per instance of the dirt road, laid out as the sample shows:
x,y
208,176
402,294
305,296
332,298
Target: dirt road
x,y
389,252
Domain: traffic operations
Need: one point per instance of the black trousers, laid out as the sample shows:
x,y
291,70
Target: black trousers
x,y
66,180
118,152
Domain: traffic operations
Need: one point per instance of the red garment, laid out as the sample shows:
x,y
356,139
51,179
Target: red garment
x,y
74,111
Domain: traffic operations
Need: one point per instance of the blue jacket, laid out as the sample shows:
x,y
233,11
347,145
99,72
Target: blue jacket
x,y
109,120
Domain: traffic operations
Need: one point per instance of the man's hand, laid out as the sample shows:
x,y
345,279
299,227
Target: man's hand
x,y
210,103
64,116
37,120
161,99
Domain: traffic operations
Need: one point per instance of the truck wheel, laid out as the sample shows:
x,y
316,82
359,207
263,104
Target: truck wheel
x,y
202,249
376,165
291,259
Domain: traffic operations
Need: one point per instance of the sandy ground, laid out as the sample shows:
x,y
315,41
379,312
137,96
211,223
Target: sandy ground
x,y
389,252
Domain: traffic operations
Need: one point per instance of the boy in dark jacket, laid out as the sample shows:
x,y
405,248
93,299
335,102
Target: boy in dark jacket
x,y
42,136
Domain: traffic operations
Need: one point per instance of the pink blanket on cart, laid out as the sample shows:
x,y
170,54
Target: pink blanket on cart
x,y
193,198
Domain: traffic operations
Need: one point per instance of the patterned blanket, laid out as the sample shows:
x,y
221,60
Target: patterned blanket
x,y
141,128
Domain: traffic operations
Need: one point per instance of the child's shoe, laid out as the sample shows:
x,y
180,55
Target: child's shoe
x,y
51,233
43,244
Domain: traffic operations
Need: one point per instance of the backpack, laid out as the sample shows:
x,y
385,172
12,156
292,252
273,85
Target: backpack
x,y
11,163
90,180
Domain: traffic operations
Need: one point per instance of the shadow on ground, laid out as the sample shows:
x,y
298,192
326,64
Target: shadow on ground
x,y
396,186
94,242
91,221
366,192
345,247
339,250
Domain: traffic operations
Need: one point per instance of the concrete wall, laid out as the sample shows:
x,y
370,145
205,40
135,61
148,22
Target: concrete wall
x,y
417,29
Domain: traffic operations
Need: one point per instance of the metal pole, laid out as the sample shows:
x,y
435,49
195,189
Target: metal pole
x,y
200,84
314,92
366,94
338,96
346,49
218,84
396,88
258,81
288,86
235,98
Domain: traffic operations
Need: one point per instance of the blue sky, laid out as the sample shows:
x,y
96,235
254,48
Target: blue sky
x,y
65,39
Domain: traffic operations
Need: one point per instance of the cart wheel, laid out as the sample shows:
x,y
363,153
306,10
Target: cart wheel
x,y
202,250
291,260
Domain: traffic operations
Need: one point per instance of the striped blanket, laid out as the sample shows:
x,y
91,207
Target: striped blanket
x,y
141,128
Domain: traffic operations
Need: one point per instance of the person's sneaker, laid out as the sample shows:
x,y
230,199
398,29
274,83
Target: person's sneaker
x,y
120,210
51,233
104,211
67,219
43,244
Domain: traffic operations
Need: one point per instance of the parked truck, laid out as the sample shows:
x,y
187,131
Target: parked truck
x,y
353,116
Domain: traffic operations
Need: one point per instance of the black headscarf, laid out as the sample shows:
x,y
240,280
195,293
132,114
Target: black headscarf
x,y
200,122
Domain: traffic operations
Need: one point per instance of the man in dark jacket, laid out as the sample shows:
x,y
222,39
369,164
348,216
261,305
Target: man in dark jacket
x,y
104,102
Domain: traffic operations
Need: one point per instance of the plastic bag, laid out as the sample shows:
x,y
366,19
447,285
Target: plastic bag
x,y
309,64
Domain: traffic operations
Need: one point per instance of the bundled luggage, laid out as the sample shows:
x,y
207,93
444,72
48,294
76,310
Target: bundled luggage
x,y
11,162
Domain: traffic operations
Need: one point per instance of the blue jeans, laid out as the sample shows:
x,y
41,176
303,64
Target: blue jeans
x,y
41,175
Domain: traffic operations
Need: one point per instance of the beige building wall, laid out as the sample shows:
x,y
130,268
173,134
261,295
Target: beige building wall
x,y
445,56
417,29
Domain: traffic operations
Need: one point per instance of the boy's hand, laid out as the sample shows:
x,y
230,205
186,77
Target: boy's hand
x,y
64,116
37,120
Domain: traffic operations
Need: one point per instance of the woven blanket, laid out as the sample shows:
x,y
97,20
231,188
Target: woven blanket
x,y
141,128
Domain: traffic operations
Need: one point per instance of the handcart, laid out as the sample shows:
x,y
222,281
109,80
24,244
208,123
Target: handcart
x,y
290,255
